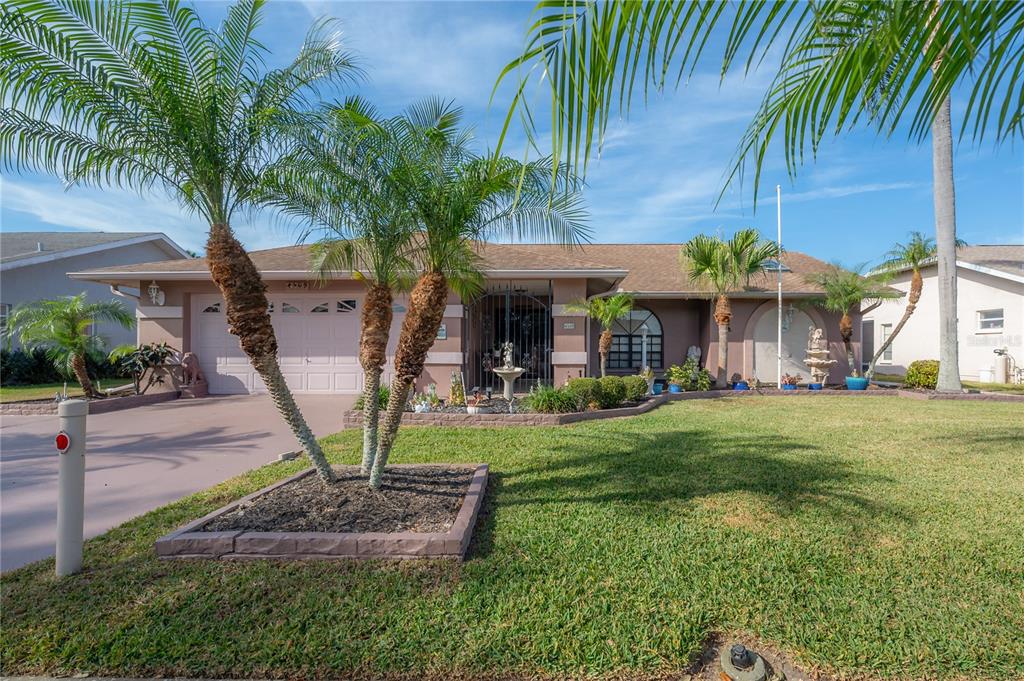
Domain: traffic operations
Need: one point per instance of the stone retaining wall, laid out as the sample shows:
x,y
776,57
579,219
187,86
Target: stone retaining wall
x,y
49,407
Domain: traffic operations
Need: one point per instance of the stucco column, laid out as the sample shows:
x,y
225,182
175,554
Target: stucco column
x,y
447,354
569,347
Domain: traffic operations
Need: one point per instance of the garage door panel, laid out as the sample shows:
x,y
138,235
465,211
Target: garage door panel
x,y
348,382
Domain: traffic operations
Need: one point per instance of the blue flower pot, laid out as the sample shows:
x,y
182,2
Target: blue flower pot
x,y
814,386
740,385
856,383
656,389
673,388
787,386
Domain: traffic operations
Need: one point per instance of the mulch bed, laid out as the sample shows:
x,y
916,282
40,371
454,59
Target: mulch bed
x,y
412,499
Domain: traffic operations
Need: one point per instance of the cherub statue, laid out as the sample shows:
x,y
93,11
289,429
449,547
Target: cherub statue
x,y
506,355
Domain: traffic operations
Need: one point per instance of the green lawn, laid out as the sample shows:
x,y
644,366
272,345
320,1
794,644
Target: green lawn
x,y
971,385
870,538
40,391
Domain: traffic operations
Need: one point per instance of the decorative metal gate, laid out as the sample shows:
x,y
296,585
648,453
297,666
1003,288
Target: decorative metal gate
x,y
519,312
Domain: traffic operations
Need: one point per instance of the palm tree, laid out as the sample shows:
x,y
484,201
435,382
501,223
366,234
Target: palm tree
x,y
460,199
63,327
141,94
888,63
845,291
341,176
918,251
726,267
605,311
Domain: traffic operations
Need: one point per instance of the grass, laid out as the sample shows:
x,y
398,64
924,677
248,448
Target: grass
x,y
40,391
869,538
970,385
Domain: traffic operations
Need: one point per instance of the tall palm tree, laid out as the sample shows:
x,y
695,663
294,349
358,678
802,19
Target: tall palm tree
x,y
605,311
460,199
341,176
891,64
918,251
63,327
844,292
726,267
141,94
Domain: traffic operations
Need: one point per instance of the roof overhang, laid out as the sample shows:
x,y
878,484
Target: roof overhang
x,y
45,257
107,276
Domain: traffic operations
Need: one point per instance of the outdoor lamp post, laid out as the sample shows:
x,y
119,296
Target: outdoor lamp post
x,y
644,330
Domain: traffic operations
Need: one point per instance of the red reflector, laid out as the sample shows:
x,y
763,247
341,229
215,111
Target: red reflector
x,y
62,441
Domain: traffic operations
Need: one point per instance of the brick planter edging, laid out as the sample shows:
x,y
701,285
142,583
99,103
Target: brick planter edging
x,y
190,542
104,406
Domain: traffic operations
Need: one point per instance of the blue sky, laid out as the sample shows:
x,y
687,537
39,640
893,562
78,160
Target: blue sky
x,y
659,174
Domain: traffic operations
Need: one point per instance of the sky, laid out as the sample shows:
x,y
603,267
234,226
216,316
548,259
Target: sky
x,y
656,181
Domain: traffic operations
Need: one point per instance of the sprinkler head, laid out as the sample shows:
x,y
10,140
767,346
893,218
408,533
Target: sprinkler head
x,y
740,657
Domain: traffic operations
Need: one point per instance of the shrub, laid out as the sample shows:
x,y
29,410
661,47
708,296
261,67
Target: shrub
x,y
636,388
677,375
587,392
924,373
31,367
383,394
545,399
612,392
703,381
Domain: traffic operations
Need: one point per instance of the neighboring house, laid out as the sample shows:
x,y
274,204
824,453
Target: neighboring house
x,y
34,266
528,288
990,314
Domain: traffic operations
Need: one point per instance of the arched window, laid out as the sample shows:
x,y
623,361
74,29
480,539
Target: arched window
x,y
627,341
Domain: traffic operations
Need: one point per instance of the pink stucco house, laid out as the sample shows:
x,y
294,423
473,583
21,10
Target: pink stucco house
x,y
528,288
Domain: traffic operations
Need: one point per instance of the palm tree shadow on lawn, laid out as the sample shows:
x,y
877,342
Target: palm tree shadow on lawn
x,y
655,473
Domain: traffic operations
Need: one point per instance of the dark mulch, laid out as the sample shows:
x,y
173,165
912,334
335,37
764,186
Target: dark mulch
x,y
412,499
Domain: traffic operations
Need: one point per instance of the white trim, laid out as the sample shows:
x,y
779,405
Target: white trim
x,y
562,311
444,358
158,312
563,358
60,255
1019,278
273,275
453,311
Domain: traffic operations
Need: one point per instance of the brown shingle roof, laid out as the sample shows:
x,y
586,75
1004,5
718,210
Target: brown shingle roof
x,y
643,268
1006,258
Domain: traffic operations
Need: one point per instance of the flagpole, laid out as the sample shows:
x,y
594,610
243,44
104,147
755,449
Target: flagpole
x,y
778,261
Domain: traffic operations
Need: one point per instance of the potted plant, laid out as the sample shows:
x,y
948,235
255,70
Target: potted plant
x,y
814,386
790,382
856,383
739,383
473,403
678,379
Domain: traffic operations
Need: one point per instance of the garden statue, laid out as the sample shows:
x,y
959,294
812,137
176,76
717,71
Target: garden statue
x,y
817,356
693,352
506,356
508,372
191,374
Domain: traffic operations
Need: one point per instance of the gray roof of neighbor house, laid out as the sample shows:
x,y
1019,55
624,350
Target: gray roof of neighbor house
x,y
24,248
1003,258
651,269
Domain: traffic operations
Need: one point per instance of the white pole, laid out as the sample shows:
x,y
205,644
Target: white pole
x,y
778,220
71,487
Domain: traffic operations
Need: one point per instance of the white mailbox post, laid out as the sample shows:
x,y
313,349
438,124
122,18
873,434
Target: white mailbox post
x,y
70,443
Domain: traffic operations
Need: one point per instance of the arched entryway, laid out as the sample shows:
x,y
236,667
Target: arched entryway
x,y
761,341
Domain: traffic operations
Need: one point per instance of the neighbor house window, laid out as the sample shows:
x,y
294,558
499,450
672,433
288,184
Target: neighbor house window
x,y
990,320
5,312
886,332
628,338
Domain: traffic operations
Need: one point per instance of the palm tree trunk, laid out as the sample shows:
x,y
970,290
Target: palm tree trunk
x,y
604,346
916,284
373,347
846,333
945,243
723,316
419,330
245,299
78,366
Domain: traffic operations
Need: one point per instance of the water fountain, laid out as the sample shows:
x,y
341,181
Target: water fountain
x,y
508,372
817,356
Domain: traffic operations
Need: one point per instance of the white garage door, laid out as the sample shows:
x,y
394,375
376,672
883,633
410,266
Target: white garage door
x,y
317,337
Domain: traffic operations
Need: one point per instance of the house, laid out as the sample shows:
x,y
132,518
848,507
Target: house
x,y
34,266
528,288
990,314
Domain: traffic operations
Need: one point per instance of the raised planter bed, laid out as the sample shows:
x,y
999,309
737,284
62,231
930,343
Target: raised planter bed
x,y
109,404
223,534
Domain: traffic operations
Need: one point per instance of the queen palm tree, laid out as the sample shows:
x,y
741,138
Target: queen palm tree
x,y
460,199
63,327
890,64
605,311
141,94
341,176
726,267
845,291
918,251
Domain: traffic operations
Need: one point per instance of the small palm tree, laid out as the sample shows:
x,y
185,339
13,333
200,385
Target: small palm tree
x,y
846,291
460,199
726,267
341,177
63,327
605,311
917,252
141,94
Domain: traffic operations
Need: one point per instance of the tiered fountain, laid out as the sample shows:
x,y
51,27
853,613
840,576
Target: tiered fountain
x,y
818,357
508,372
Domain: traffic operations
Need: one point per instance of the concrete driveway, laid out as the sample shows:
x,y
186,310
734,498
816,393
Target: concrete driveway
x,y
139,459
